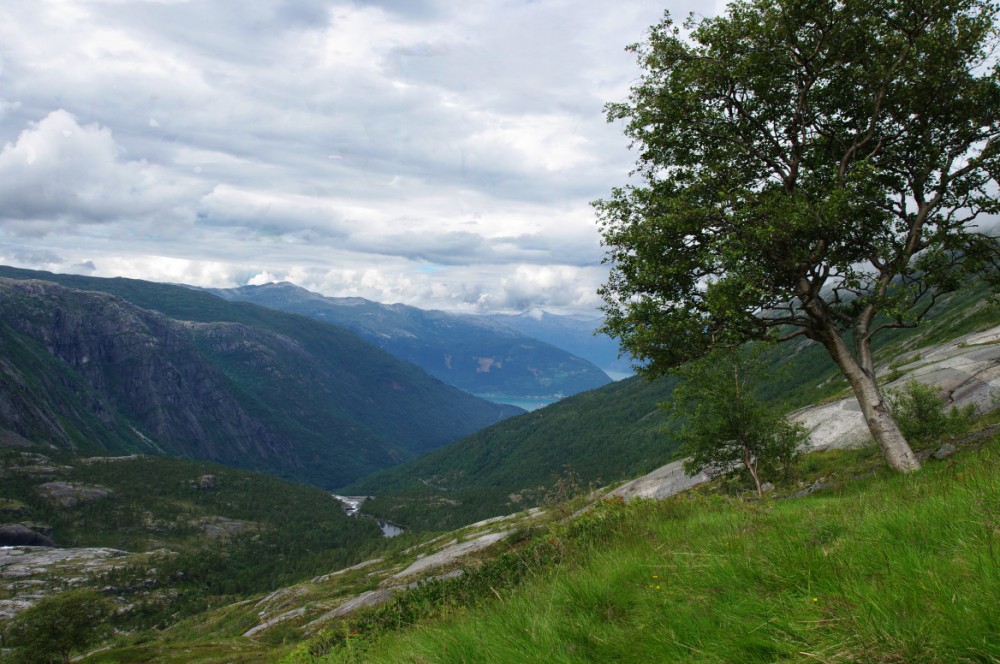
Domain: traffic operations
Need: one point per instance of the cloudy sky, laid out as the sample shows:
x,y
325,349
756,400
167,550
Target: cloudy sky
x,y
440,153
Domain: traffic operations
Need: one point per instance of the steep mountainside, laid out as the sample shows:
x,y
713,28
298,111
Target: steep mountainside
x,y
473,353
233,383
572,333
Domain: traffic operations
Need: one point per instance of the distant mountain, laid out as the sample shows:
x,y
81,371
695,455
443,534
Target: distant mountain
x,y
575,334
474,353
209,379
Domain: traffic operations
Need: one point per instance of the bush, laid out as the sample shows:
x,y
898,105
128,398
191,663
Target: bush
x,y
58,626
922,414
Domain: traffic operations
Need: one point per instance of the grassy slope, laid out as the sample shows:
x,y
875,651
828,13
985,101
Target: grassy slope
x,y
883,568
613,433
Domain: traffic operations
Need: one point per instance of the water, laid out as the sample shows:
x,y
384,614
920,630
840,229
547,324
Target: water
x,y
389,529
352,505
527,403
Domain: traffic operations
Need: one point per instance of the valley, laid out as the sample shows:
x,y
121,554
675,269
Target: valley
x,y
237,566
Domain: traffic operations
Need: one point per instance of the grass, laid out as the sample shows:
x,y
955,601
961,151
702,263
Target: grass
x,y
883,568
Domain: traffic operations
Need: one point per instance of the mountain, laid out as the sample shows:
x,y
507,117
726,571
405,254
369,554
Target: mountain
x,y
576,334
474,353
209,379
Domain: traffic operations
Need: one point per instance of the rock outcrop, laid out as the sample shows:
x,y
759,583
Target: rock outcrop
x,y
18,534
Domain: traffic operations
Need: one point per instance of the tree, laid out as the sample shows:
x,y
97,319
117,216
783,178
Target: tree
x,y
724,426
805,168
58,625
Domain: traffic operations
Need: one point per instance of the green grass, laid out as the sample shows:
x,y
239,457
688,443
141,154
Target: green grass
x,y
879,569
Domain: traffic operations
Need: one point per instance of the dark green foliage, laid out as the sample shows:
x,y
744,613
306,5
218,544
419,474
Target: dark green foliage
x,y
57,626
724,425
923,414
600,436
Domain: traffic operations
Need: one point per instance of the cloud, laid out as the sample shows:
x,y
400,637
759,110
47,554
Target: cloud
x,y
433,152
58,171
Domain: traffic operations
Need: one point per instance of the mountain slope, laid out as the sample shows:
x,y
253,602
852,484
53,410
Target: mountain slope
x,y
474,353
573,333
618,431
233,383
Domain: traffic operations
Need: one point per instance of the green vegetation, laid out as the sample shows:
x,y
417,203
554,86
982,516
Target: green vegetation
x,y
724,425
251,387
619,431
805,169
215,534
58,625
922,414
880,568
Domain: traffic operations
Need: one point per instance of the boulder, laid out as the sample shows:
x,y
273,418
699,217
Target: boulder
x,y
18,534
64,494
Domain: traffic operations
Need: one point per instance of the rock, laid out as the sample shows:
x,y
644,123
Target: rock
x,y
65,494
17,534
220,527
207,483
326,577
944,451
370,598
10,438
451,554
109,459
271,622
661,483
812,488
766,486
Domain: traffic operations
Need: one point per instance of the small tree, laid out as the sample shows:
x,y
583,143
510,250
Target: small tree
x,y
58,625
724,426
805,168
923,414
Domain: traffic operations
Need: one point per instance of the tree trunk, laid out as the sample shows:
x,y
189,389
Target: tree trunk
x,y
752,467
883,427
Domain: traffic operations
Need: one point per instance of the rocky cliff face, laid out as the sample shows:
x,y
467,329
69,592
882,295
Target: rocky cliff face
x,y
90,370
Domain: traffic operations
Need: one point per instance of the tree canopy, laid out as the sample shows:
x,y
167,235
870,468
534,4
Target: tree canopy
x,y
59,625
812,168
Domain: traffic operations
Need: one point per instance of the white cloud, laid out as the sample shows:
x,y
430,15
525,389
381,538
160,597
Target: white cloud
x,y
58,171
438,153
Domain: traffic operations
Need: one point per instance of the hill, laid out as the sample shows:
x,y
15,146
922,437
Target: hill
x,y
473,353
617,432
165,535
229,382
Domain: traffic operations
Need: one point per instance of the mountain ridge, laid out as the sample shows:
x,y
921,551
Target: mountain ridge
x,y
264,390
475,353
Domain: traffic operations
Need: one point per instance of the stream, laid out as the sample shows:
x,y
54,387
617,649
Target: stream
x,y
352,505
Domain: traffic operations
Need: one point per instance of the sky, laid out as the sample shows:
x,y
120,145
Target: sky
x,y
438,153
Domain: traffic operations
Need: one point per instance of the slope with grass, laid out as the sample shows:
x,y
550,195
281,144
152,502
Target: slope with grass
x,y
617,432
877,567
